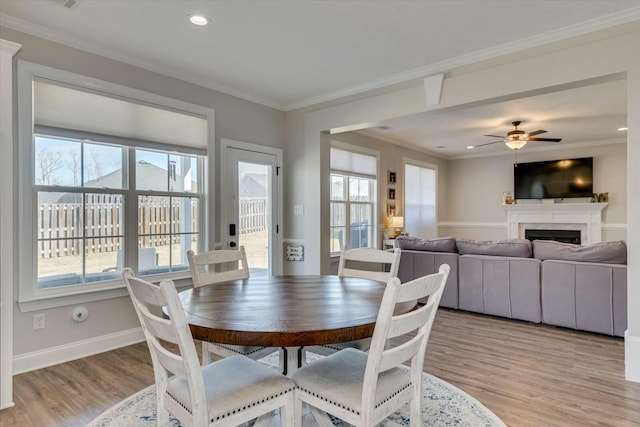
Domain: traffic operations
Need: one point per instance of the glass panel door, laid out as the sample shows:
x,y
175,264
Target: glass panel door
x,y
250,220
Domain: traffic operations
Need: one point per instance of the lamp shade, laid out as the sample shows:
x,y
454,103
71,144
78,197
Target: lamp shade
x,y
516,144
397,222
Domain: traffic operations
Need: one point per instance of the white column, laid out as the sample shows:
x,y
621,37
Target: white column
x,y
632,335
7,50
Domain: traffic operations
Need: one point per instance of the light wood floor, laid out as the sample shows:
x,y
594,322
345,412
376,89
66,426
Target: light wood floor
x,y
528,375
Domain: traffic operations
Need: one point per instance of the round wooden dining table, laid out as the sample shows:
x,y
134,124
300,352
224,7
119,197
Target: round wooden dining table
x,y
288,312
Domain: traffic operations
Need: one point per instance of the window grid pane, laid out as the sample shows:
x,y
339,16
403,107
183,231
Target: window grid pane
x,y
168,226
338,187
102,166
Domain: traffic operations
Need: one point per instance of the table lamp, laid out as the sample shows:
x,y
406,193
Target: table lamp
x,y
397,223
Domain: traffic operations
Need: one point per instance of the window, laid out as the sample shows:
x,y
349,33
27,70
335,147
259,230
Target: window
x,y
81,188
352,200
420,200
110,177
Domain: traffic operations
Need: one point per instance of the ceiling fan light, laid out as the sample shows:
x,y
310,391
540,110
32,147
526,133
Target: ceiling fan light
x,y
516,144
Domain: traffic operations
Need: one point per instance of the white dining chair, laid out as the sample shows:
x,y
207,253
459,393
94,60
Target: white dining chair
x,y
364,388
210,268
228,392
369,263
365,263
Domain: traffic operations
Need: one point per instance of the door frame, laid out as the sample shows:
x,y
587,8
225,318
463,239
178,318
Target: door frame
x,y
225,190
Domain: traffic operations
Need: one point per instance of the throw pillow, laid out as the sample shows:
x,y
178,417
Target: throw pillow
x,y
442,244
605,252
510,247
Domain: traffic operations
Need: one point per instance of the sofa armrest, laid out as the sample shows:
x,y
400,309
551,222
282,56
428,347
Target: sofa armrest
x,y
584,295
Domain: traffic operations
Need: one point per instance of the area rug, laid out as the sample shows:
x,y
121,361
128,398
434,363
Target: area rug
x,y
443,405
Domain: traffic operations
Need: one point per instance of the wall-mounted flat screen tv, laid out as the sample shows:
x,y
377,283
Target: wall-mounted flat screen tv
x,y
555,179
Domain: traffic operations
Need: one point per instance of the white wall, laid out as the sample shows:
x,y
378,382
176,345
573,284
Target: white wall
x,y
476,186
235,119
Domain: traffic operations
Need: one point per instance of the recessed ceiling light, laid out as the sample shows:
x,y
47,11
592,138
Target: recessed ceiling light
x,y
622,129
470,147
200,20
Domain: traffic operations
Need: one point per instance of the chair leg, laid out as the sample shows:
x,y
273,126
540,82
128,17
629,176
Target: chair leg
x,y
162,414
415,411
297,412
206,355
289,413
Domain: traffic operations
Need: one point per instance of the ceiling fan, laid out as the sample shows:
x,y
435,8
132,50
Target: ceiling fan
x,y
517,139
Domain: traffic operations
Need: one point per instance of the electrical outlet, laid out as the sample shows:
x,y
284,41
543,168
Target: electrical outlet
x,y
38,321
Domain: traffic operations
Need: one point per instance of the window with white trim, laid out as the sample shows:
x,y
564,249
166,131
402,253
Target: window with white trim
x,y
420,200
353,201
115,183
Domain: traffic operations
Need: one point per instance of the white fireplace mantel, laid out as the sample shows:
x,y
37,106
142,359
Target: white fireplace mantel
x,y
586,217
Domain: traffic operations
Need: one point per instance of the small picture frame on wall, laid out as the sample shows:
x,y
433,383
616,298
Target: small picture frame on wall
x,y
391,194
391,210
391,177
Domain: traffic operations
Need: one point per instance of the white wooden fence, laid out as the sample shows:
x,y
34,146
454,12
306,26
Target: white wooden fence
x,y
61,227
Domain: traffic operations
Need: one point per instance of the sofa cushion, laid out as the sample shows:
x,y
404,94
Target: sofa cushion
x,y
605,252
442,244
509,247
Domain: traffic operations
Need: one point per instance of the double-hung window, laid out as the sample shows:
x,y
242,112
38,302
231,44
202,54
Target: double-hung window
x,y
420,199
114,183
86,196
353,201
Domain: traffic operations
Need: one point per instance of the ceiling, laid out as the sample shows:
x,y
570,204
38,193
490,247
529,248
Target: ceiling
x,y
291,54
579,116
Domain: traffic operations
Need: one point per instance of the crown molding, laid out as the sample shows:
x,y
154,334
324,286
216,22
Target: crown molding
x,y
98,49
601,23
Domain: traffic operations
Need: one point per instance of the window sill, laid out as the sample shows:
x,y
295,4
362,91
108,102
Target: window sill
x,y
81,296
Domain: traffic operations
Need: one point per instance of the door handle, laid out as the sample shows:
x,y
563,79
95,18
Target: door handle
x,y
232,229
232,244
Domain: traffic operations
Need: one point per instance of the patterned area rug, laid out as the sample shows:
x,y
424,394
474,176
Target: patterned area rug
x,y
443,405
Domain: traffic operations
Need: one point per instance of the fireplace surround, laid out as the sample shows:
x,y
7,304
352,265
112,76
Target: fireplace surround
x,y
583,217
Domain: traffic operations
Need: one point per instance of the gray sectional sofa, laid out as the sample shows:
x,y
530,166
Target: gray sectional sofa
x,y
579,287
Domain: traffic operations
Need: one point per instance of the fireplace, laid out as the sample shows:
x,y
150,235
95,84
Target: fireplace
x,y
585,218
566,236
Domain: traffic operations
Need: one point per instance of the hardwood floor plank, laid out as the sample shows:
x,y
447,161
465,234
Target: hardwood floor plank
x,y
529,375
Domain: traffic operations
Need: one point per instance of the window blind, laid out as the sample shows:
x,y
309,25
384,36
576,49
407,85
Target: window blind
x,y
349,161
63,107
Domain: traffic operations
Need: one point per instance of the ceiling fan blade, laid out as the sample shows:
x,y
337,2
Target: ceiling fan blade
x,y
546,139
537,132
496,136
487,143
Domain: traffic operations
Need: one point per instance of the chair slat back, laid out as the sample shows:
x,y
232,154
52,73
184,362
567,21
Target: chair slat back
x,y
170,361
416,322
148,300
206,268
373,260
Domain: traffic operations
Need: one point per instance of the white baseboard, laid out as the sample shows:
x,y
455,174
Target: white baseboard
x,y
631,357
64,353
